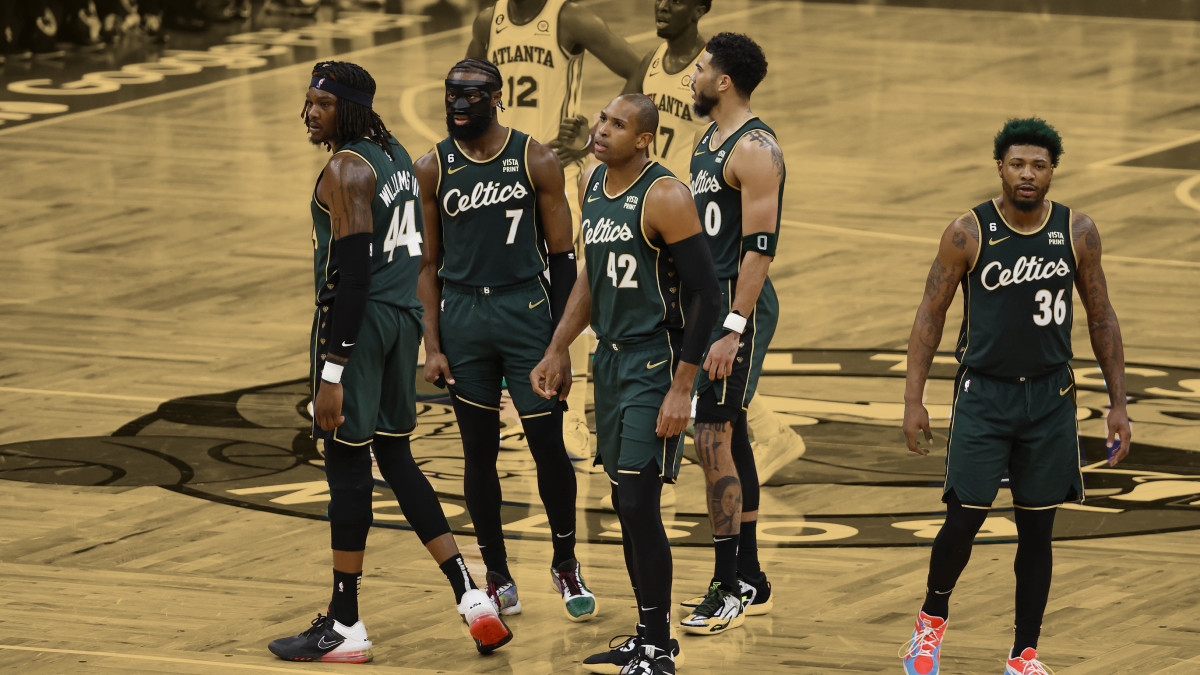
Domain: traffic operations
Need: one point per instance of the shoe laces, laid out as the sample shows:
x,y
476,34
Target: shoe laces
x,y
569,581
628,644
318,624
922,644
713,600
1033,667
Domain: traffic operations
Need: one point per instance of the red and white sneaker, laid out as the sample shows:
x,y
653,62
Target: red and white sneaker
x,y
1027,664
922,654
483,620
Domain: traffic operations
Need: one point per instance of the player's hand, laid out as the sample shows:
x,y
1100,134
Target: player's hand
x,y
437,369
1118,428
327,409
552,375
573,141
675,412
916,418
721,355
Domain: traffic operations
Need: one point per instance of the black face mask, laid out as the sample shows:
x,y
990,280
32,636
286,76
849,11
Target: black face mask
x,y
467,97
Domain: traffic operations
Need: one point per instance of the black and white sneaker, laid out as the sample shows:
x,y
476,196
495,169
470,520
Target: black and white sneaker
x,y
621,652
328,641
651,660
756,595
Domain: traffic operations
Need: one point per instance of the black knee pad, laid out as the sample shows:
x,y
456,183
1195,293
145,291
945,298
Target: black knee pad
x,y
743,461
414,494
348,472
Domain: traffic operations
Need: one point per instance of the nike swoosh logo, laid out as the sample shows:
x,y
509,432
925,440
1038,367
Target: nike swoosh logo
x,y
723,539
652,366
698,152
344,344
592,199
1063,392
535,304
563,536
647,609
456,169
997,241
501,29
321,644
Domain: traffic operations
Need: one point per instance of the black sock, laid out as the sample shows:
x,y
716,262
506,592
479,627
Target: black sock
x,y
937,603
747,556
495,557
726,552
455,570
344,604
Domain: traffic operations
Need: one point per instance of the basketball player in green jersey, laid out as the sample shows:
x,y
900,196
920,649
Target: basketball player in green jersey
x,y
665,75
737,182
367,254
1016,257
644,256
494,207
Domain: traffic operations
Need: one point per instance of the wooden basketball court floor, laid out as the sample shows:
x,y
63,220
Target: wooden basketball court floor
x,y
158,251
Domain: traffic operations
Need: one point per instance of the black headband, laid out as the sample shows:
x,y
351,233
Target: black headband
x,y
325,83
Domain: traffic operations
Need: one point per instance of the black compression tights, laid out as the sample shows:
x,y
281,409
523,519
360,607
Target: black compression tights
x,y
1033,565
951,552
480,430
413,492
636,498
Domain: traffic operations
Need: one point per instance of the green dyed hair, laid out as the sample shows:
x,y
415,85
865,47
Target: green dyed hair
x,y
1029,131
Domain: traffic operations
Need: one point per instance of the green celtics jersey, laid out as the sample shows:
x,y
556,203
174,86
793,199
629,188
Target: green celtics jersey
x,y
1018,295
720,204
635,289
491,235
396,229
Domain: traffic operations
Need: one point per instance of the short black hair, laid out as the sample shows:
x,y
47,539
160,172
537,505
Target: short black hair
x,y
740,58
1028,131
483,67
645,115
354,120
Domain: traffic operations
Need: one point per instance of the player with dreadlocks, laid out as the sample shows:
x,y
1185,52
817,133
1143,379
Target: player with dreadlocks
x,y
367,250
497,217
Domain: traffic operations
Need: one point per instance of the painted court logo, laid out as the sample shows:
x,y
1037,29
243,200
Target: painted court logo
x,y
250,448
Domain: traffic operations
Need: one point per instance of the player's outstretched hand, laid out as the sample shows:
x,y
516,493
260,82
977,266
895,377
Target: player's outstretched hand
x,y
916,418
573,141
437,369
1120,430
552,375
327,409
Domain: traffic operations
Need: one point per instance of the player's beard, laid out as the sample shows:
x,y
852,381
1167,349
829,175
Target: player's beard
x,y
704,103
1028,205
475,127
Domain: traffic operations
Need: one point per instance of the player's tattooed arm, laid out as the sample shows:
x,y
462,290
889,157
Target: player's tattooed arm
x,y
1103,328
956,253
349,184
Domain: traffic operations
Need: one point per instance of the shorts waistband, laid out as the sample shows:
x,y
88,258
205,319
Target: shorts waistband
x,y
492,290
1017,379
656,340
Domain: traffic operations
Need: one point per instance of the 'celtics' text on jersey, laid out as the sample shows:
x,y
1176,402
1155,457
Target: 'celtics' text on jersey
x,y
634,285
541,81
491,234
719,203
397,224
1017,296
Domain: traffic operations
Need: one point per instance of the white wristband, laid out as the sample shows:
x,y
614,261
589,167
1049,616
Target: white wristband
x,y
332,372
733,322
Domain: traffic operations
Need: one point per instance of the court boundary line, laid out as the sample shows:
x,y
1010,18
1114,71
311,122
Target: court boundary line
x,y
161,659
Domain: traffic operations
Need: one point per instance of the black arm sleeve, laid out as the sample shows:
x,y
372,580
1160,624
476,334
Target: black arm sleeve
x,y
693,261
354,287
562,278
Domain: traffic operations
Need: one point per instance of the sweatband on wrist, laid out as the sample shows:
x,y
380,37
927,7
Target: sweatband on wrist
x,y
353,258
735,322
332,372
563,270
760,242
693,261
